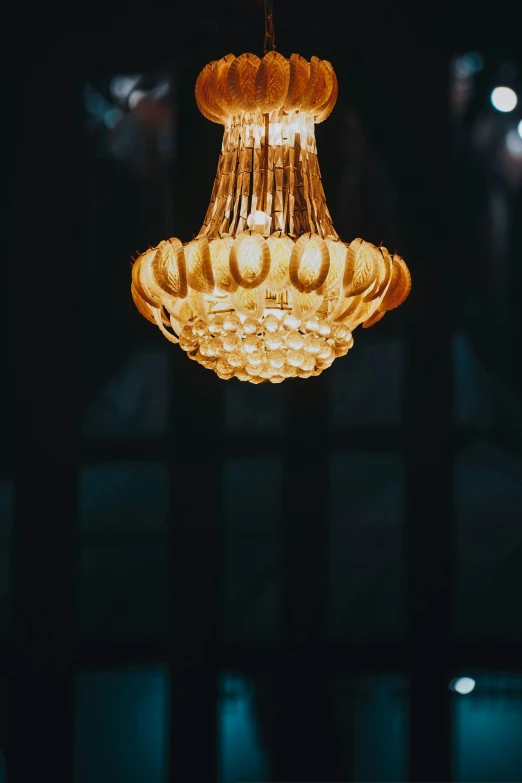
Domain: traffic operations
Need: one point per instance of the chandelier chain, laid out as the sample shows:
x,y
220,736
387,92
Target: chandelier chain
x,y
269,26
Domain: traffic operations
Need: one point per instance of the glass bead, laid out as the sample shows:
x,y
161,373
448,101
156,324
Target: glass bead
x,y
273,340
186,345
342,334
271,323
200,328
311,325
324,328
216,325
290,322
231,322
308,363
188,333
222,366
295,340
231,342
236,358
326,353
288,371
312,344
276,358
205,346
252,343
251,326
256,358
295,358
215,347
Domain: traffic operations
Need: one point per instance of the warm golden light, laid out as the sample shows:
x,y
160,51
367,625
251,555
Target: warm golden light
x,y
267,290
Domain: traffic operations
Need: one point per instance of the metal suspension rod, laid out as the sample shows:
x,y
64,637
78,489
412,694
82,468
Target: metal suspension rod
x,y
269,26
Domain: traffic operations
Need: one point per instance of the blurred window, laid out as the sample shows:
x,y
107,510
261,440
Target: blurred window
x,y
252,564
487,726
121,726
123,575
366,567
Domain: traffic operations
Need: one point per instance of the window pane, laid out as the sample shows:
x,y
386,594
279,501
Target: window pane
x,y
133,401
373,716
489,541
487,729
121,726
255,408
366,386
366,570
472,386
129,206
242,755
123,589
124,496
252,553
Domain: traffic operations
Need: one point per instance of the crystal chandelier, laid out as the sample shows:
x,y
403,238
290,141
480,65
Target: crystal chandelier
x,y
267,290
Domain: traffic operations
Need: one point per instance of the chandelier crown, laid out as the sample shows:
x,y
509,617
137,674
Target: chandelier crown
x,y
233,85
267,290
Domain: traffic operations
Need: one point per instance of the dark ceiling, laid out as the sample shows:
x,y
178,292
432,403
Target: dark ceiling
x,y
136,34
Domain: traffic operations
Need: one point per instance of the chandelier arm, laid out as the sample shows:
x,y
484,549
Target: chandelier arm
x,y
269,26
264,197
157,317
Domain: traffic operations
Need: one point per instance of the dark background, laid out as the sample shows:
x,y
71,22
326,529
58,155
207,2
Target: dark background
x,y
209,581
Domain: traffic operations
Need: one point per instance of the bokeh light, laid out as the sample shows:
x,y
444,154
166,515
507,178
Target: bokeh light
x,y
122,86
462,685
96,104
136,97
514,143
112,117
504,99
468,65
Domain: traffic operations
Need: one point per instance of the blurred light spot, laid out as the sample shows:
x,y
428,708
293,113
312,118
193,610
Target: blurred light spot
x,y
514,143
520,129
122,86
136,97
112,117
467,65
96,104
161,90
462,685
476,60
504,99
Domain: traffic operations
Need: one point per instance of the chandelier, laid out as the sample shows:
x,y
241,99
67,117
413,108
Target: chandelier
x,y
267,290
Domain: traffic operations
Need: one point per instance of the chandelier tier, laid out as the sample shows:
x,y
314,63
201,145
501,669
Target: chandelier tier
x,y
267,290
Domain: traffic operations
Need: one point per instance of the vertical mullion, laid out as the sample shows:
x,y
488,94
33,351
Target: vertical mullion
x,y
195,482
428,455
45,372
303,738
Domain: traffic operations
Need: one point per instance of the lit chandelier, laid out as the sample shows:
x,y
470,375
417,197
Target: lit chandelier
x,y
267,290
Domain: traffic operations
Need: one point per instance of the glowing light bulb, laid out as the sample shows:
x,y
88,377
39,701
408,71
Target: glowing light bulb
x,y
259,221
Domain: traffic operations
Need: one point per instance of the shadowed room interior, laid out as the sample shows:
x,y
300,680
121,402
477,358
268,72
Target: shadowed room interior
x,y
203,580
